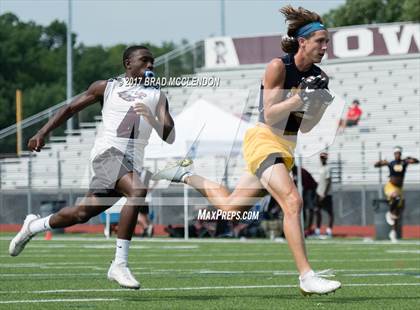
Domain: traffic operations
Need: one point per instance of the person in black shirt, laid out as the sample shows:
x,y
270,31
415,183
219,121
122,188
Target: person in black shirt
x,y
393,189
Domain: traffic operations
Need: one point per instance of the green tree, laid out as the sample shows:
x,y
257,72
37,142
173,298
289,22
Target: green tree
x,y
33,59
358,12
411,10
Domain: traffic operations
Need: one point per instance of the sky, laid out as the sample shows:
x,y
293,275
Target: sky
x,y
109,22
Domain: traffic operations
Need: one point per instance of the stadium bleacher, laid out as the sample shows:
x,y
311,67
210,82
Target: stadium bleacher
x,y
388,89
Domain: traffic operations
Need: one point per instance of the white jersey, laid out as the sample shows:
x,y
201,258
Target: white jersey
x,y
121,127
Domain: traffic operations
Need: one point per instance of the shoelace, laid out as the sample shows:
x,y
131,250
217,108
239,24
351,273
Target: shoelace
x,y
184,162
181,163
327,273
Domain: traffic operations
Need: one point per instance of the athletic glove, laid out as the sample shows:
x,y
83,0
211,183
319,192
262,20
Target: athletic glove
x,y
313,90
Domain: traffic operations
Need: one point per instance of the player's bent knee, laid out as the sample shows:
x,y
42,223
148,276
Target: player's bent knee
x,y
394,195
137,193
136,197
293,206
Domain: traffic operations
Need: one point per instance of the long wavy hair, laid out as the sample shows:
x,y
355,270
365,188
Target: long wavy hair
x,y
295,19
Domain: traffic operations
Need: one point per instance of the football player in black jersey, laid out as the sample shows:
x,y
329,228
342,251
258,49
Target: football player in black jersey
x,y
393,189
294,95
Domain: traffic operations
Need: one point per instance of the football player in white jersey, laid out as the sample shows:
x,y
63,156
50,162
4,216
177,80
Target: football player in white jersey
x,y
130,112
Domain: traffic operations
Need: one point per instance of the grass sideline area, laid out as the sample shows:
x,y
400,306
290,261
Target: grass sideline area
x,y
69,272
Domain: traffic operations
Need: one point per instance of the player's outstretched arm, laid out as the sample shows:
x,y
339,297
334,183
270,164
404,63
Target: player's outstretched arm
x,y
411,160
381,163
94,93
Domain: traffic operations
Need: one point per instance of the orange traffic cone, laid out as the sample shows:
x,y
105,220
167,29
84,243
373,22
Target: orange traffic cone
x,y
48,235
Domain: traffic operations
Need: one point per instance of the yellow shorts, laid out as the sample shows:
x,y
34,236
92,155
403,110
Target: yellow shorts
x,y
260,142
390,188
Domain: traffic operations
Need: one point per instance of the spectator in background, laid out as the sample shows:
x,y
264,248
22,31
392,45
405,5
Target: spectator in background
x,y
250,228
353,115
324,198
198,229
309,186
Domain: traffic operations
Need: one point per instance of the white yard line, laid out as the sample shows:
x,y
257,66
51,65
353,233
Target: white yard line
x,y
379,274
341,242
70,274
190,289
48,245
234,255
197,270
342,272
242,261
30,301
248,261
404,251
30,265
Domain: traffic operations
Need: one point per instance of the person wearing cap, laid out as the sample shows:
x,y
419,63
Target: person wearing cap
x,y
393,189
324,198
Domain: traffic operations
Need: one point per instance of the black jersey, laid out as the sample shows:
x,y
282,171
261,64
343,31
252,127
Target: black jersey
x,y
397,168
293,78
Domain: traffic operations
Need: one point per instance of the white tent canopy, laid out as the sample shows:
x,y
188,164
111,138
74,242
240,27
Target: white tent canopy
x,y
201,129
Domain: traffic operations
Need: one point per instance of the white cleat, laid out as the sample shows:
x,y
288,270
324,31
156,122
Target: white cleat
x,y
121,274
393,236
23,236
314,283
175,171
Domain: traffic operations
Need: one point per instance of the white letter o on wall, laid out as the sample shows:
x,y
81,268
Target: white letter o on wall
x,y
364,38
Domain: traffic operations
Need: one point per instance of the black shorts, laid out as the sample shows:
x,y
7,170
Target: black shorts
x,y
108,168
271,160
351,123
326,203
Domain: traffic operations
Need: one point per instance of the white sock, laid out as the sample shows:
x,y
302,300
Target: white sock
x,y
40,225
329,231
306,274
121,251
317,231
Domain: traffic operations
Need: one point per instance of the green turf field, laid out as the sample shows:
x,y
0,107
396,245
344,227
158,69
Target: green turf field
x,y
69,272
